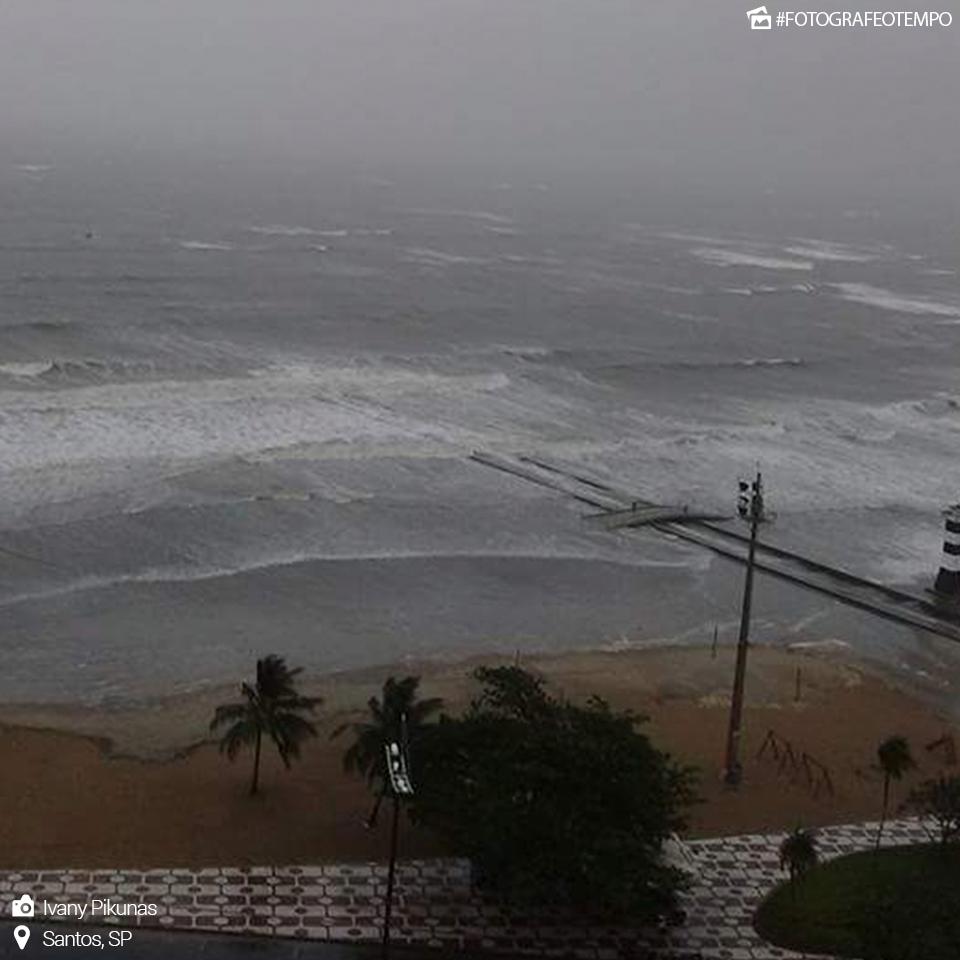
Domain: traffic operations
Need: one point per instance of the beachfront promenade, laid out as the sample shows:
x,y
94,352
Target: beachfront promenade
x,y
435,906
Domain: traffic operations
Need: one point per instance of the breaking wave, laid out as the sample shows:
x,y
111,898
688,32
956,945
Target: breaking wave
x,y
895,302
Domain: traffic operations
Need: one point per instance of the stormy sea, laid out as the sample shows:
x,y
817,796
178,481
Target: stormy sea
x,y
236,414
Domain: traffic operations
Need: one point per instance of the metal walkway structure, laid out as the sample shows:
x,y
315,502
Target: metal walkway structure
x,y
620,509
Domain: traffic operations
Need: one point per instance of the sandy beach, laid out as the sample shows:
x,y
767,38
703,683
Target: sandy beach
x,y
145,787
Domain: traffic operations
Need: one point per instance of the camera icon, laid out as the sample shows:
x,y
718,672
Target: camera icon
x,y
23,906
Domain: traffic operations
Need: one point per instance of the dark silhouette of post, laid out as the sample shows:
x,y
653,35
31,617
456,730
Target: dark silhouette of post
x,y
397,755
751,508
391,875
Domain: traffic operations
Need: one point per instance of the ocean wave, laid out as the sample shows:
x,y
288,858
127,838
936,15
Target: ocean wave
x,y
35,169
85,371
768,289
41,326
26,369
440,258
483,216
828,251
205,572
204,245
640,360
895,302
723,257
282,230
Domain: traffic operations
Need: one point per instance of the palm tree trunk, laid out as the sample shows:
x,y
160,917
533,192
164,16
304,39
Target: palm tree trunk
x,y
256,766
372,819
883,812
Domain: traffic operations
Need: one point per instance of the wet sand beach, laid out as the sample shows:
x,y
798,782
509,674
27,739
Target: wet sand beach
x,y
145,787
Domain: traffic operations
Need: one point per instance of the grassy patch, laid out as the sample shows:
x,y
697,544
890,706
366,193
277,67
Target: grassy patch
x,y
898,903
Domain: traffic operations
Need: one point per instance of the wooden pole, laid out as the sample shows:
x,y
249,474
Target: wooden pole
x,y
733,770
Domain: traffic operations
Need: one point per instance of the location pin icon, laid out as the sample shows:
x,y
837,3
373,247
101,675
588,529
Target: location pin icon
x,y
21,934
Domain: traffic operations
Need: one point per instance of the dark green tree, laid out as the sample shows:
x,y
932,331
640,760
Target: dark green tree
x,y
894,760
938,800
400,713
555,804
271,707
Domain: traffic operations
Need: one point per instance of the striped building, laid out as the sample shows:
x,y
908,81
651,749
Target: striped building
x,y
948,579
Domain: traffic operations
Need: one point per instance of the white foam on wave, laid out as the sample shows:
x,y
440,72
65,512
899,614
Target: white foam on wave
x,y
725,257
680,235
898,303
828,251
768,289
205,572
26,369
282,230
483,216
440,258
204,245
85,443
75,435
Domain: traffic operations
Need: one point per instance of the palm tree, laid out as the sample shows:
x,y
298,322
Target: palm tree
x,y
798,853
894,760
271,707
399,714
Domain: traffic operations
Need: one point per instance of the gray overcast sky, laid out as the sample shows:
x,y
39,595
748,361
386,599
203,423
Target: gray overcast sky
x,y
683,87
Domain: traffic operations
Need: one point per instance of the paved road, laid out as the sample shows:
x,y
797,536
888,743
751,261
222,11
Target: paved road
x,y
153,945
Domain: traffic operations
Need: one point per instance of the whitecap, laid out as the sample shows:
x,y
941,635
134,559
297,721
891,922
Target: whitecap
x,y
888,300
26,369
723,257
203,245
431,257
483,215
282,230
827,251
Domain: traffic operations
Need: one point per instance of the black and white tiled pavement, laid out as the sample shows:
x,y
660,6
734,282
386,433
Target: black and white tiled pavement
x,y
435,905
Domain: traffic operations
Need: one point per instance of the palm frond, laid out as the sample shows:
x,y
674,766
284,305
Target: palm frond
x,y
227,713
241,734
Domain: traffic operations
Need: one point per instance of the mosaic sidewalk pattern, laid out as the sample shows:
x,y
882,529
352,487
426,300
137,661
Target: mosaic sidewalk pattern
x,y
435,905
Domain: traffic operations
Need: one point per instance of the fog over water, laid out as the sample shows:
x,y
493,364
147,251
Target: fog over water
x,y
269,273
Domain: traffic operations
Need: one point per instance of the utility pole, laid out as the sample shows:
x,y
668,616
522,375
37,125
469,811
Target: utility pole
x,y
750,508
397,757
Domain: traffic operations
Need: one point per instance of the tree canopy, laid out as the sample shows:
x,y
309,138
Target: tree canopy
x,y
270,707
554,803
399,715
